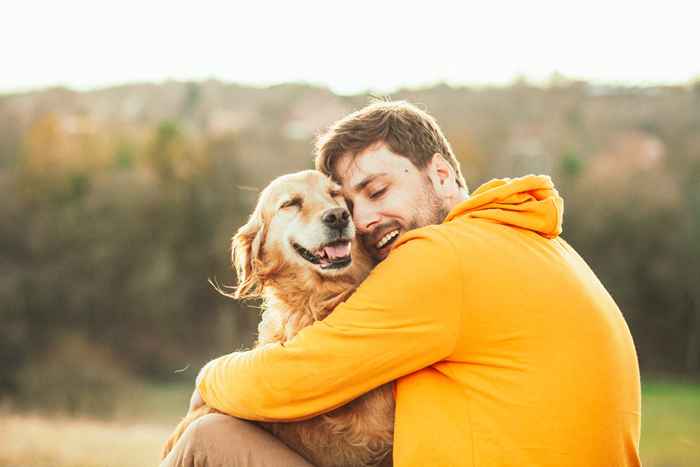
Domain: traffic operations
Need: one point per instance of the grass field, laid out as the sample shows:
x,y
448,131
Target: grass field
x,y
670,430
133,436
670,424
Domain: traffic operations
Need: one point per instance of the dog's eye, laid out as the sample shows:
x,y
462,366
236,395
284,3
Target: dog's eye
x,y
335,193
292,202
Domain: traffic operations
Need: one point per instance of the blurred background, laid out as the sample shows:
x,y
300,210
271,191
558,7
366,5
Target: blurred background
x,y
134,139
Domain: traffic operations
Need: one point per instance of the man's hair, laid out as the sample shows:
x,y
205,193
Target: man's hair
x,y
405,129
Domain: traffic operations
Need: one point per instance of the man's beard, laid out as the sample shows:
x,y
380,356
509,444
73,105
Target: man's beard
x,y
433,210
428,210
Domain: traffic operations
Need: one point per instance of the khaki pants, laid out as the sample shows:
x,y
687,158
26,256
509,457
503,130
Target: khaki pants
x,y
217,440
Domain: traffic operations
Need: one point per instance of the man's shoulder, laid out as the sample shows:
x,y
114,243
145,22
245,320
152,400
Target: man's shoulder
x,y
463,243
429,249
431,237
423,264
449,235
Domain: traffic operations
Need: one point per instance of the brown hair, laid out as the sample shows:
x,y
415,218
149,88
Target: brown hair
x,y
406,130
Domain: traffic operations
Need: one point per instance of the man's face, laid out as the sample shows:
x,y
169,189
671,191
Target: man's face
x,y
387,196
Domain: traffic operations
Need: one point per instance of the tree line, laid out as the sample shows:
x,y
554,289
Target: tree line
x,y
118,206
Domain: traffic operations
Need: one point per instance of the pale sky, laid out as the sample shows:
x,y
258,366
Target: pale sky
x,y
349,46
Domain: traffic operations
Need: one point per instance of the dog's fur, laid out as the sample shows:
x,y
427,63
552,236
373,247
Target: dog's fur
x,y
296,293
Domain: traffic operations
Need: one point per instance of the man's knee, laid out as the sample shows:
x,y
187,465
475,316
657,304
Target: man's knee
x,y
217,440
212,429
211,440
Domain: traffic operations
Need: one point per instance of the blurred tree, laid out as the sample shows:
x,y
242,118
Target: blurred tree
x,y
119,204
571,164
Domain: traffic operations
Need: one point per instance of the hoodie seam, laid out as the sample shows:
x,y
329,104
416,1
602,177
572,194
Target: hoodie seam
x,y
459,334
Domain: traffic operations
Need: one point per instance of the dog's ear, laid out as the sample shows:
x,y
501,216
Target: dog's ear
x,y
246,247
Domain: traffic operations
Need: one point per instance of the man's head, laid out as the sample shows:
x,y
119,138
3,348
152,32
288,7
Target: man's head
x,y
396,168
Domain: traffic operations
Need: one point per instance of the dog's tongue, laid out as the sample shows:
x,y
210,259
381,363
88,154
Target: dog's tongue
x,y
340,250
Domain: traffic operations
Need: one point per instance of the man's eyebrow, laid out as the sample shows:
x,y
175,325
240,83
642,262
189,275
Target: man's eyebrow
x,y
367,180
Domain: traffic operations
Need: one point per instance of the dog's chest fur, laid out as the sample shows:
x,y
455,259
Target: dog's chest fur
x,y
359,433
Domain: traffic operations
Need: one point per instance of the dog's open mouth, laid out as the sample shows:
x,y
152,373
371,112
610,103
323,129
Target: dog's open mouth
x,y
334,255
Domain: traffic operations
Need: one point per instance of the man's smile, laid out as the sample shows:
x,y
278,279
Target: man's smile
x,y
379,242
386,239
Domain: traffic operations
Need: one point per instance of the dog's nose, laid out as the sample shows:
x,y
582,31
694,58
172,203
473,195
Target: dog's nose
x,y
336,218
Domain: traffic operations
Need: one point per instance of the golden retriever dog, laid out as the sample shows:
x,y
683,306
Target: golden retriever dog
x,y
297,253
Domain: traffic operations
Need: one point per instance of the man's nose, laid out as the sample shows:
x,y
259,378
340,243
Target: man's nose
x,y
336,218
364,218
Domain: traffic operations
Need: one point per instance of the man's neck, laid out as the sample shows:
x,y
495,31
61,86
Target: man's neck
x,y
462,195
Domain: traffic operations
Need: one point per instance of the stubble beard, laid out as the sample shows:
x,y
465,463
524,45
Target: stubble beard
x,y
433,210
429,210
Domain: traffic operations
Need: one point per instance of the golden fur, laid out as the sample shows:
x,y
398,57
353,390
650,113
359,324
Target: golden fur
x,y
296,293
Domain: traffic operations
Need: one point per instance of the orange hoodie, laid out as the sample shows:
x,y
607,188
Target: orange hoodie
x,y
506,348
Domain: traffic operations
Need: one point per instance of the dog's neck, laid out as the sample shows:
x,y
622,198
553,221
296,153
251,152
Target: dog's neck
x,y
313,295
292,301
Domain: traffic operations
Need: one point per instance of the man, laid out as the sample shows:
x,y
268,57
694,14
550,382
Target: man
x,y
505,347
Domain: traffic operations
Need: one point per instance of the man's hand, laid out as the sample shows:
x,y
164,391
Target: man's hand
x,y
196,400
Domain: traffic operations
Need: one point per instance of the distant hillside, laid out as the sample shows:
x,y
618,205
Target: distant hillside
x,y
496,131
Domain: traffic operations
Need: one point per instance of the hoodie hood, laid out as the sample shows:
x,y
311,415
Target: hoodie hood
x,y
530,202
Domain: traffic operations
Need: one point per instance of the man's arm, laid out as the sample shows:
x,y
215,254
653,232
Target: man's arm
x,y
404,317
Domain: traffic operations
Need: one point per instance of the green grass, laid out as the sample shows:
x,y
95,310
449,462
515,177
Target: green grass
x,y
144,417
132,436
670,424
154,403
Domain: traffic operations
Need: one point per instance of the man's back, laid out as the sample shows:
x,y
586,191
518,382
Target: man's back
x,y
545,370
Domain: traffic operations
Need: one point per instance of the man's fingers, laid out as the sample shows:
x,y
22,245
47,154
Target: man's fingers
x,y
196,400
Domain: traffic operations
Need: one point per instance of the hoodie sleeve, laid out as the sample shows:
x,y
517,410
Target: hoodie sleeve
x,y
404,317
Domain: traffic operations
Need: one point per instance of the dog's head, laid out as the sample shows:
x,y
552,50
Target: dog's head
x,y
302,222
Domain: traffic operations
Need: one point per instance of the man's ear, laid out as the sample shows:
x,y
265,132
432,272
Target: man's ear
x,y
246,247
440,172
